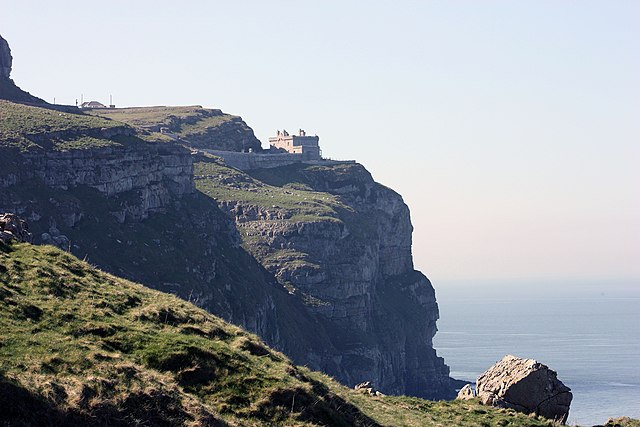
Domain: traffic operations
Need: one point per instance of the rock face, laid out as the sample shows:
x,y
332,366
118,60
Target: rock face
x,y
13,228
231,135
526,386
157,174
154,176
5,59
353,270
466,393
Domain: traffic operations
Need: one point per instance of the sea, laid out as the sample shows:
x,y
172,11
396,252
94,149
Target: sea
x,y
587,331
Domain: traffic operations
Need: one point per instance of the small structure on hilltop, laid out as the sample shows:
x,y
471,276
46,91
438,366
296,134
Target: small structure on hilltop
x,y
92,104
298,144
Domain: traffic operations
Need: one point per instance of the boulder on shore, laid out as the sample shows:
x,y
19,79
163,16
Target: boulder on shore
x,y
525,385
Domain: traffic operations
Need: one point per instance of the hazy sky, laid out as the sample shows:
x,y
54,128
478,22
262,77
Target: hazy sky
x,y
511,128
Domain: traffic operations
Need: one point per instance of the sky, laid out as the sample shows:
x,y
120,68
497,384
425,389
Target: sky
x,y
511,128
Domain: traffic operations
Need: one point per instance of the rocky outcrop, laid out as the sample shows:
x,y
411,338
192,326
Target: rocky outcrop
x,y
524,385
367,388
230,135
8,89
5,59
466,393
13,228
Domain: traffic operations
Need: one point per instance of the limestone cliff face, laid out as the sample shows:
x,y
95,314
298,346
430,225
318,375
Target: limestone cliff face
x,y
153,175
354,271
157,174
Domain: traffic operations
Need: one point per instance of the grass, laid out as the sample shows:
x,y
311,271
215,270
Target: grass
x,y
27,127
150,116
260,210
226,184
204,124
191,125
186,122
77,344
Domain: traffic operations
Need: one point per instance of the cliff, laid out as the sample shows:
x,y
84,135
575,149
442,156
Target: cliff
x,y
341,244
193,126
314,259
324,272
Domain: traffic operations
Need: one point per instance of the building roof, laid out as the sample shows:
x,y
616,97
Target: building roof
x,y
92,104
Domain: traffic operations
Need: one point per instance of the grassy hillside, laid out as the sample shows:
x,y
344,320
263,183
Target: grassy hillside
x,y
81,347
193,125
149,117
26,127
292,202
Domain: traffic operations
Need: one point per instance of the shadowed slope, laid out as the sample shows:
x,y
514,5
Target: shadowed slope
x,y
82,347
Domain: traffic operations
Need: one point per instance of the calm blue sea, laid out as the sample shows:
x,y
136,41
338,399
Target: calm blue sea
x,y
588,332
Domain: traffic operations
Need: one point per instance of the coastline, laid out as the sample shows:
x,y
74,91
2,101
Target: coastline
x,y
577,329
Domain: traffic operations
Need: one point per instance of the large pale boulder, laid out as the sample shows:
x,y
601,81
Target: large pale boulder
x,y
526,386
466,393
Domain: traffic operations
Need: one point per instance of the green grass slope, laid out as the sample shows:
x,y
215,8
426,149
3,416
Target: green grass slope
x,y
82,347
294,202
193,125
28,127
150,117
